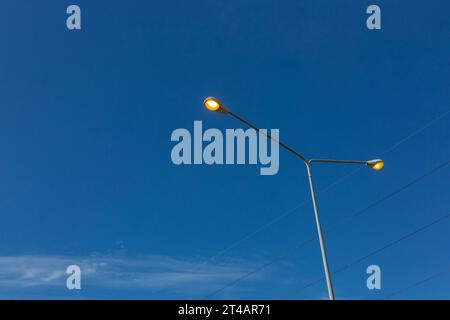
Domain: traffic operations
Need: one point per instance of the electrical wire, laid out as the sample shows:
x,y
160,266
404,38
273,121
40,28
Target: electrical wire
x,y
290,250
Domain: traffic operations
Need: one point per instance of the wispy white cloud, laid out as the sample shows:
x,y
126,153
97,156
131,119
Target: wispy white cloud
x,y
150,273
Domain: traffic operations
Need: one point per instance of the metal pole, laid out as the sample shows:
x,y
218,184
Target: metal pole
x,y
313,195
319,231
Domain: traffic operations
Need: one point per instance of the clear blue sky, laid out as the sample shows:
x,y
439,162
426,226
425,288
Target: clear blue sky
x,y
85,122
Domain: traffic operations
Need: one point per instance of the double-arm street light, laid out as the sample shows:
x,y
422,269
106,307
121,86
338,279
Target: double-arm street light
x,y
214,104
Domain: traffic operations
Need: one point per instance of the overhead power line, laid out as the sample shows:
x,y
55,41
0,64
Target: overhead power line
x,y
336,182
293,249
386,246
417,283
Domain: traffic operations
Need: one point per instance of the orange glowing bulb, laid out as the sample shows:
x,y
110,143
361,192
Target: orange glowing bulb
x,y
212,104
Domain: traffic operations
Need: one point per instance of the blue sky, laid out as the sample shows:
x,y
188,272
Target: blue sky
x,y
85,170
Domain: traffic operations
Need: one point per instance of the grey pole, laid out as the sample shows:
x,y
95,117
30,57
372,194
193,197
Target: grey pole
x,y
319,232
307,162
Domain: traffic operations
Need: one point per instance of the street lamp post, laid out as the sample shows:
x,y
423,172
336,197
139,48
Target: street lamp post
x,y
214,104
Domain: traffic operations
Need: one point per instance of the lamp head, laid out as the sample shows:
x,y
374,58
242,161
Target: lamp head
x,y
213,104
376,164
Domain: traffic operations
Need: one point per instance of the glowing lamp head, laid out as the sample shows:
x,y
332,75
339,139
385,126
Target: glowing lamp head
x,y
376,164
212,104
